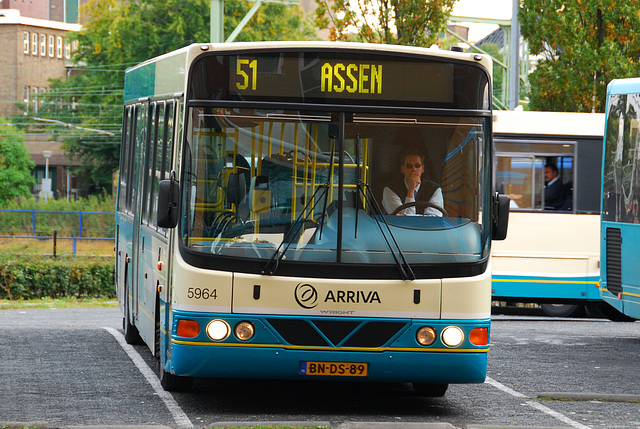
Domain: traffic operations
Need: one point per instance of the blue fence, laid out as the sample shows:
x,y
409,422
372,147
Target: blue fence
x,y
57,225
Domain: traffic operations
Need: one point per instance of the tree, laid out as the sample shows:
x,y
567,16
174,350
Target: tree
x,y
120,33
583,44
15,164
404,22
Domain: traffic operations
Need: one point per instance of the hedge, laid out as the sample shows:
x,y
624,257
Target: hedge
x,y
43,277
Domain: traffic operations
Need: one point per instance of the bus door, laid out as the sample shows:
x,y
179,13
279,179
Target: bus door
x,y
139,198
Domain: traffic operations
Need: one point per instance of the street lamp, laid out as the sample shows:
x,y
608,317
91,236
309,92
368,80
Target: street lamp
x,y
47,184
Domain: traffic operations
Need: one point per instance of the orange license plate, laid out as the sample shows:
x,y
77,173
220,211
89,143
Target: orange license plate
x,y
344,369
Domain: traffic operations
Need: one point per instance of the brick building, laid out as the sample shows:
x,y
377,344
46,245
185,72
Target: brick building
x,y
35,51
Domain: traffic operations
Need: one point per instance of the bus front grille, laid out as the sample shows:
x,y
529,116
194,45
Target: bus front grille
x,y
614,260
336,333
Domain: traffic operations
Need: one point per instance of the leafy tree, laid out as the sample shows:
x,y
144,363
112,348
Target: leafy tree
x,y
120,33
583,44
404,22
15,164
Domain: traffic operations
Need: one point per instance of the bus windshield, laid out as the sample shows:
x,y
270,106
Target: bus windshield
x,y
319,186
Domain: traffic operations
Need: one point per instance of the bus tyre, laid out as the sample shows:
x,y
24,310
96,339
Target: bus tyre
x,y
430,390
563,310
174,383
606,311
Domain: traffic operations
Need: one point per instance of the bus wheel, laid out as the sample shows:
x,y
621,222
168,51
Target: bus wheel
x,y
174,383
430,390
563,310
602,309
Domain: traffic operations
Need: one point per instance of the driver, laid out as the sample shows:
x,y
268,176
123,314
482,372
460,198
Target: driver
x,y
411,187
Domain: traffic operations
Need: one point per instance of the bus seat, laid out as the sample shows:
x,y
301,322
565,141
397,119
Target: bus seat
x,y
259,196
236,188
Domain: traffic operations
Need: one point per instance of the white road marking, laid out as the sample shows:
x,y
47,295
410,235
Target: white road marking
x,y
538,406
178,415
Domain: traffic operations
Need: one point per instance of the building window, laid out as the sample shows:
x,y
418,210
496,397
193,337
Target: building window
x,y
27,42
43,45
52,46
59,46
34,43
34,98
67,49
26,95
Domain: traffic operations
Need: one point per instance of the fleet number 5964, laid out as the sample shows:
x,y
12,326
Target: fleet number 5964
x,y
201,293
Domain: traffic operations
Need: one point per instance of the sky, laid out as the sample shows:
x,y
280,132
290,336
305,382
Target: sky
x,y
495,9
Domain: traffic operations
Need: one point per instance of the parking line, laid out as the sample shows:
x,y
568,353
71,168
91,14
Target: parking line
x,y
536,405
178,415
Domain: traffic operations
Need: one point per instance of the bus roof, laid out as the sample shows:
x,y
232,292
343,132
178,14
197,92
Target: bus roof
x,y
166,75
548,123
624,86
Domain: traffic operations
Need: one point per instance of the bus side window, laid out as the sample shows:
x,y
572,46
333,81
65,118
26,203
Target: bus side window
x,y
522,178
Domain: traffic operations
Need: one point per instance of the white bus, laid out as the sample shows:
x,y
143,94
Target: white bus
x,y
552,252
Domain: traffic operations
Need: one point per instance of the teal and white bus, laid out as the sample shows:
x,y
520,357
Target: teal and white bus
x,y
620,226
251,238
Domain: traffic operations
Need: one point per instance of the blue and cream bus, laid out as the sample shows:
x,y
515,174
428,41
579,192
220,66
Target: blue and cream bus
x,y
251,239
620,226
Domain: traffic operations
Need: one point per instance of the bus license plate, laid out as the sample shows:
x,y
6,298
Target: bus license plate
x,y
347,369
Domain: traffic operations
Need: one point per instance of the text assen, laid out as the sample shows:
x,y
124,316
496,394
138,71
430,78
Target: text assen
x,y
351,78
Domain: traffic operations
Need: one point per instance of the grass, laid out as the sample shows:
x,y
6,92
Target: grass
x,y
66,302
36,246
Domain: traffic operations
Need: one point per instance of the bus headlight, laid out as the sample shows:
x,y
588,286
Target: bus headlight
x,y
244,331
426,336
452,336
218,330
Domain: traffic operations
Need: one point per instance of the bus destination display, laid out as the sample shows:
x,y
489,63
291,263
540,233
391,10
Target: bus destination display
x,y
293,77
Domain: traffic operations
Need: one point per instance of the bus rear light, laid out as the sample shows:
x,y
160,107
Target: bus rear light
x,y
218,330
244,331
452,336
188,328
426,336
479,336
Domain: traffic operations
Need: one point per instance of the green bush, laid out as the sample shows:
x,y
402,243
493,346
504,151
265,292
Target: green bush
x,y
55,278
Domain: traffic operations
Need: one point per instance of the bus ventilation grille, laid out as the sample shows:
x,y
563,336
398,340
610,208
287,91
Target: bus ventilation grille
x,y
336,333
614,260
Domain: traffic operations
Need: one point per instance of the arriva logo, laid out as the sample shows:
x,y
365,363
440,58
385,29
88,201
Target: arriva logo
x,y
306,295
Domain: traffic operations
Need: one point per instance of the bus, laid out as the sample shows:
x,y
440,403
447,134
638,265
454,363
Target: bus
x,y
251,239
552,252
620,224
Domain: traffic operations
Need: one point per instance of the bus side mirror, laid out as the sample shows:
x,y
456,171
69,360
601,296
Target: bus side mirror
x,y
168,201
499,216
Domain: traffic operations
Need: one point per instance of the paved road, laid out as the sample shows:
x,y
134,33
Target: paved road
x,y
67,367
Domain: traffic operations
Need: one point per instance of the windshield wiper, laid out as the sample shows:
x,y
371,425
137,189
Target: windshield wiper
x,y
272,264
401,262
403,266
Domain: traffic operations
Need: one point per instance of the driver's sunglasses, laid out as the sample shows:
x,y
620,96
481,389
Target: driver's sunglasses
x,y
417,165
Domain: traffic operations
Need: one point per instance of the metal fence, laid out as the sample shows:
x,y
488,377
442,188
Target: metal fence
x,y
74,226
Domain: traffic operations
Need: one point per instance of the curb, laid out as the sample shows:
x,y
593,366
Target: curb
x,y
21,425
569,396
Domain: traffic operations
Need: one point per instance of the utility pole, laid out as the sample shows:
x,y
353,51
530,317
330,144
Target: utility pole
x,y
217,21
514,63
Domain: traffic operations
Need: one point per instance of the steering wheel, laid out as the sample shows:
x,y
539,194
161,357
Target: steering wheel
x,y
224,220
420,206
